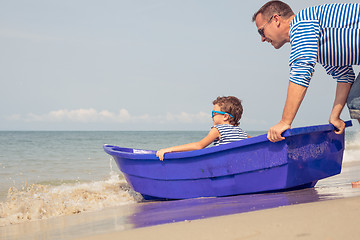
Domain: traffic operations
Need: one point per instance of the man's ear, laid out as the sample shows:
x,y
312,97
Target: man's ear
x,y
277,19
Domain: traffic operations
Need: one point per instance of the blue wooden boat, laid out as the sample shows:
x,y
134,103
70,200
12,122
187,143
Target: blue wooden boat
x,y
253,165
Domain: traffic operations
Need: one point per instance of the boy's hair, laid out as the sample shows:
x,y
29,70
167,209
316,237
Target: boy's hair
x,y
231,105
274,7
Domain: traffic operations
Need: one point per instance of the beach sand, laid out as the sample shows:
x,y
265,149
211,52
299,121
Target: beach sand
x,y
332,219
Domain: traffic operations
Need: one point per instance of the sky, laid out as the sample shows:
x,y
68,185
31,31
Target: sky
x,y
145,65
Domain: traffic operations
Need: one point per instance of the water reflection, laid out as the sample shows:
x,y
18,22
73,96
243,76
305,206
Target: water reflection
x,y
148,214
191,209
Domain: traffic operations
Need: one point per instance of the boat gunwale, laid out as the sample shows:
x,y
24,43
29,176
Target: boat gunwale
x,y
150,154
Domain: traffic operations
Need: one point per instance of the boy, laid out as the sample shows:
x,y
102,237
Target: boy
x,y
226,116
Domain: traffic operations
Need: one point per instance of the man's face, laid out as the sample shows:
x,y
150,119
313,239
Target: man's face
x,y
269,30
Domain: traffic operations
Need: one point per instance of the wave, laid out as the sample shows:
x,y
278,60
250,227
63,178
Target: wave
x,y
352,148
39,201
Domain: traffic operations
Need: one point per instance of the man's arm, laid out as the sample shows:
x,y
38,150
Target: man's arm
x,y
295,95
342,92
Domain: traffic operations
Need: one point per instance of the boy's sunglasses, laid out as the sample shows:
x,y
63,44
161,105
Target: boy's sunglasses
x,y
219,112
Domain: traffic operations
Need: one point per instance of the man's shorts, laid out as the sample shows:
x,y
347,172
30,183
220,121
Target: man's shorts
x,y
353,101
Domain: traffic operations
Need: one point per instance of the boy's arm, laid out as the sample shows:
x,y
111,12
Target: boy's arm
x,y
213,134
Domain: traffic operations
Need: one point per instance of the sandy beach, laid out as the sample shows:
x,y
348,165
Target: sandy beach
x,y
333,219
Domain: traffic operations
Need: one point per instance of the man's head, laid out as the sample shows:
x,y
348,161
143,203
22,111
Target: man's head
x,y
231,105
273,22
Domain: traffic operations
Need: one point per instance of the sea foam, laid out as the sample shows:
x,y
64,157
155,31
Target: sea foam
x,y
352,148
39,201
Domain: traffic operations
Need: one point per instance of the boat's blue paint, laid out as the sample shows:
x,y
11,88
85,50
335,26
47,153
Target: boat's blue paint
x,y
247,166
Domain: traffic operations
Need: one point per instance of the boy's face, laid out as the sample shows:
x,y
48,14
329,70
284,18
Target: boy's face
x,y
220,118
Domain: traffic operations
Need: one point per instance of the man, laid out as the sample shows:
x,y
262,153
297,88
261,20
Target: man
x,y
328,34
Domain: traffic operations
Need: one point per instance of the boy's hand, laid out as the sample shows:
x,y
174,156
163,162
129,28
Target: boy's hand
x,y
160,154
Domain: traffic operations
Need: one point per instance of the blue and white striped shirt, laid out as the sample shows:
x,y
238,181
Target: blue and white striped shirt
x,y
229,133
328,34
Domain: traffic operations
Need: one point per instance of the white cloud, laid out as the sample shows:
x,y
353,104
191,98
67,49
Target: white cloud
x,y
77,115
14,117
12,33
123,116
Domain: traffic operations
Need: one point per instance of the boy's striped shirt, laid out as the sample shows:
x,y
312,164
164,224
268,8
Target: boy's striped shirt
x,y
229,133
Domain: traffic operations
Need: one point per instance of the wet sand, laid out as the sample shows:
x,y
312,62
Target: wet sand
x,y
328,211
333,219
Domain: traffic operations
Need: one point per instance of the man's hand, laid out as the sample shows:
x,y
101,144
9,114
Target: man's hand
x,y
274,133
338,124
295,95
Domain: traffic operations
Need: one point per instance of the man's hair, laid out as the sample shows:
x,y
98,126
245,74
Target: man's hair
x,y
231,105
274,7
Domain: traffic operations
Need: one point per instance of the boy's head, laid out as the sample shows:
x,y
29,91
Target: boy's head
x,y
230,105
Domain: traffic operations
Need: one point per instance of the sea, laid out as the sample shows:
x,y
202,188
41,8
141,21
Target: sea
x,y
45,174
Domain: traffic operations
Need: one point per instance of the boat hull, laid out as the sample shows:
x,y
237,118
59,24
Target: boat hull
x,y
248,166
